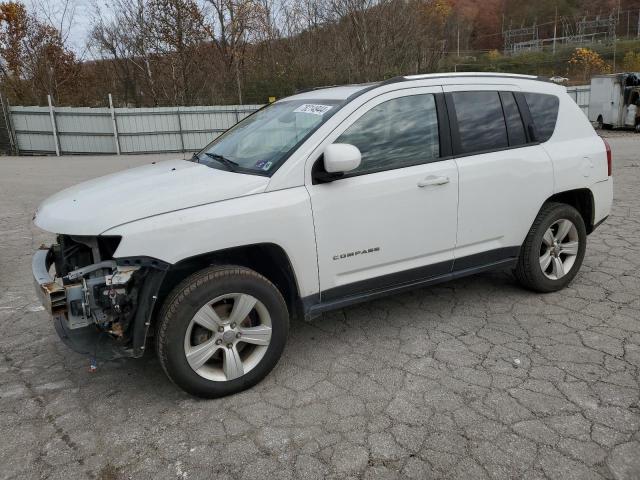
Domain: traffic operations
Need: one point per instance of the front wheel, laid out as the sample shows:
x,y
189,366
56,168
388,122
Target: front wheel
x,y
553,250
221,331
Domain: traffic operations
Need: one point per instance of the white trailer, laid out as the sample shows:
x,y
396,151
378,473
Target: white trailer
x,y
615,100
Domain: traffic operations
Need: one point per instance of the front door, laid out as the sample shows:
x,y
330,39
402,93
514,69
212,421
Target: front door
x,y
392,220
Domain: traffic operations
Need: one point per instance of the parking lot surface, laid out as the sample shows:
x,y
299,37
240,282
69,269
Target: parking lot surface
x,y
471,379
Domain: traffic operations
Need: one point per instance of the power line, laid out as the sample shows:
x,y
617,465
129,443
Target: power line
x,y
565,17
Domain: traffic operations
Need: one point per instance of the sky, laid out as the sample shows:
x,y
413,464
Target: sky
x,y
77,25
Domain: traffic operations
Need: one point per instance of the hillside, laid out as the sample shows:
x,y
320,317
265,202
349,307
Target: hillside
x,y
174,52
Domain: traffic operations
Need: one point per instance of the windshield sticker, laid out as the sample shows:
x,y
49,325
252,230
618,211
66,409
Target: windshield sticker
x,y
313,109
267,166
260,164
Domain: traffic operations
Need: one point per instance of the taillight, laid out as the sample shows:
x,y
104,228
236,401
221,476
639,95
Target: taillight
x,y
609,159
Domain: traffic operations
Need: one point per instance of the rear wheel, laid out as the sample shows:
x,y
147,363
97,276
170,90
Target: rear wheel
x,y
553,250
221,331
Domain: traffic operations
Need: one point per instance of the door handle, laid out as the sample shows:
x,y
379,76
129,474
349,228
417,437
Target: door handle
x,y
433,180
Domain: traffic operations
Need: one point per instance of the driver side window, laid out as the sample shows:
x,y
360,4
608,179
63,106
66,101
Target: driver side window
x,y
397,133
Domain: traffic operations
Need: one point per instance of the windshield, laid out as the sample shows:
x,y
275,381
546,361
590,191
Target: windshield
x,y
262,141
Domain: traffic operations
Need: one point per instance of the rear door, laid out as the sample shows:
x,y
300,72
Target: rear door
x,y
504,177
617,104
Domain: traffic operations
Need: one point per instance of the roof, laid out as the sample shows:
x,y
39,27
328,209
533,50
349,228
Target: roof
x,y
346,91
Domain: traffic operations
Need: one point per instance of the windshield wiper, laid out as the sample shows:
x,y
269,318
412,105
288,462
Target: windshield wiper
x,y
230,164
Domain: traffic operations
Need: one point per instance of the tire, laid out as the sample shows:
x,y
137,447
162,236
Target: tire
x,y
192,324
538,250
599,123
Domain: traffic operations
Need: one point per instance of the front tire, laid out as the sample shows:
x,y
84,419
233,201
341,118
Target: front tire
x,y
221,331
554,249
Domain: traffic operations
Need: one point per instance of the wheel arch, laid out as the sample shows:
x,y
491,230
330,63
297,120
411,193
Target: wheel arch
x,y
268,259
582,200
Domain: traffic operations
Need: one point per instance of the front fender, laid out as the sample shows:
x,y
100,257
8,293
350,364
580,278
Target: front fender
x,y
282,218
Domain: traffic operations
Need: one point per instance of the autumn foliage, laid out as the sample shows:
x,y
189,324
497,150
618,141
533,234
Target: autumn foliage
x,y
585,63
34,60
172,52
199,52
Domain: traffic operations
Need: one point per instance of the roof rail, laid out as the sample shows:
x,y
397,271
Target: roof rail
x,y
313,89
425,76
468,74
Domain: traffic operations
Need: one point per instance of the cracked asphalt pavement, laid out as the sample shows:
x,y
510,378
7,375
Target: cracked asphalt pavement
x,y
471,379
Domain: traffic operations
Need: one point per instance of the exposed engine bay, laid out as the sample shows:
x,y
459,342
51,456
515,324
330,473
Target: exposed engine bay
x,y
92,292
97,289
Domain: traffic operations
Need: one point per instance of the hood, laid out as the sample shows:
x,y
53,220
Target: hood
x,y
93,207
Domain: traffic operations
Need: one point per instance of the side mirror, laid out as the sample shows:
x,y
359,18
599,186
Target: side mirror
x,y
341,157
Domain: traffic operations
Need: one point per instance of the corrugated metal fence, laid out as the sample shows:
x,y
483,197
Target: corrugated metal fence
x,y
71,130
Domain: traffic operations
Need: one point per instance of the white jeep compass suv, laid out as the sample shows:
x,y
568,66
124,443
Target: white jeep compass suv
x,y
318,201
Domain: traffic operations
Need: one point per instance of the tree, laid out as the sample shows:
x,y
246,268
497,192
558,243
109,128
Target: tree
x,y
124,39
178,35
14,24
35,60
49,65
631,62
234,20
587,63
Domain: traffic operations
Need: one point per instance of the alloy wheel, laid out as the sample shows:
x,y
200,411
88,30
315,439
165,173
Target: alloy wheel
x,y
228,337
559,249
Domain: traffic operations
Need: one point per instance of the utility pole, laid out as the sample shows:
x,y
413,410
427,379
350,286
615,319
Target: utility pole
x,y
458,39
615,38
502,36
555,27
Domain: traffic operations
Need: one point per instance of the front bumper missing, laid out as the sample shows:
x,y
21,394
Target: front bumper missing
x,y
86,340
91,339
52,295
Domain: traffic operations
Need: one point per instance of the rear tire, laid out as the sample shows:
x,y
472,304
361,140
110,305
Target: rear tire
x,y
221,331
554,249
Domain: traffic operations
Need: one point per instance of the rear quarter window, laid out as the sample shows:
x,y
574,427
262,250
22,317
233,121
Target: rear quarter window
x,y
544,112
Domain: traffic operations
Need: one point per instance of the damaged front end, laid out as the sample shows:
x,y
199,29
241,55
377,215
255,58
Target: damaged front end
x,y
101,306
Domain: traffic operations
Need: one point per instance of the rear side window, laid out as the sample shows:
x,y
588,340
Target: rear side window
x,y
395,134
515,127
544,112
481,123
